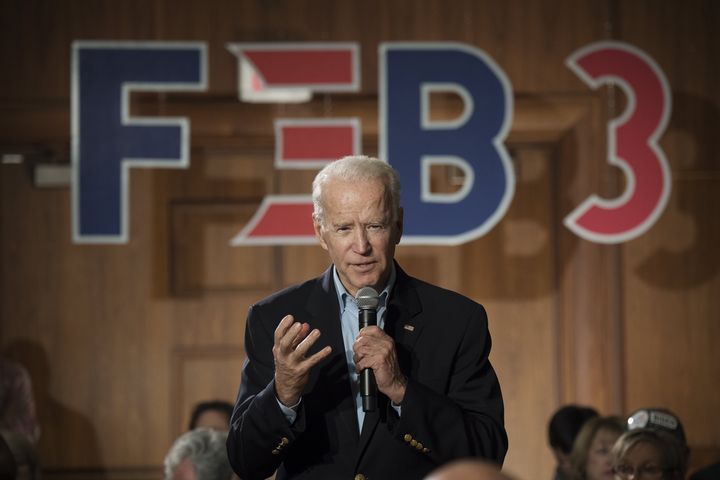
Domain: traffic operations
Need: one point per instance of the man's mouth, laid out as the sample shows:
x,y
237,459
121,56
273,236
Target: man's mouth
x,y
364,267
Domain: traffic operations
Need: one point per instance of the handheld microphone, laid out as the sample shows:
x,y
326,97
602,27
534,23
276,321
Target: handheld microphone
x,y
367,301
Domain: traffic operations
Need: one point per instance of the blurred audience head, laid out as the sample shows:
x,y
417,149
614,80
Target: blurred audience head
x,y
214,414
648,454
199,454
468,469
563,427
661,420
590,456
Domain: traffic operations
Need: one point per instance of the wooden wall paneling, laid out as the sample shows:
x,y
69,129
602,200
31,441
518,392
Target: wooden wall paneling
x,y
672,313
511,270
204,260
92,353
671,273
588,336
202,374
590,317
36,39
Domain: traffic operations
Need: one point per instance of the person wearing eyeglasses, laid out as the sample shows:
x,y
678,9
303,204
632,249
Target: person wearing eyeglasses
x,y
646,454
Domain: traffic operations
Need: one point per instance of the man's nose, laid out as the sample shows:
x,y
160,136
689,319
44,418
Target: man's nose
x,y
361,243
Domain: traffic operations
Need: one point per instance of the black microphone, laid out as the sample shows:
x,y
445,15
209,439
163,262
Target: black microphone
x,y
367,301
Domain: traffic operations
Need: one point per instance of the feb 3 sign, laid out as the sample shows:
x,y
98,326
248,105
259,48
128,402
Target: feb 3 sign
x,y
107,142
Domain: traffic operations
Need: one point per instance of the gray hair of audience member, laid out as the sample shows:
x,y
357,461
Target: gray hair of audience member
x,y
206,451
357,168
668,446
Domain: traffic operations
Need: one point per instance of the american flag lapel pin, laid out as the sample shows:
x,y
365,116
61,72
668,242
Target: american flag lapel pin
x,y
409,328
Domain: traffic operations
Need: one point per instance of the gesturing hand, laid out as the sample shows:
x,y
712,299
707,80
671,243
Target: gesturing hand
x,y
374,349
292,340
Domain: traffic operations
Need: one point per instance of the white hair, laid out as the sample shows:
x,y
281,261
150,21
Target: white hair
x,y
206,451
357,168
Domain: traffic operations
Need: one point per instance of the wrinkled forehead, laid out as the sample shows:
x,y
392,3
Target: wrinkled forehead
x,y
354,197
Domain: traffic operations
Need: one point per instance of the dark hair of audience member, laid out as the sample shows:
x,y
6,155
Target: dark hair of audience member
x,y
220,406
565,424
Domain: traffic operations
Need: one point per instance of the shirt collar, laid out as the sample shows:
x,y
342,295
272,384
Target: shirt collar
x,y
343,295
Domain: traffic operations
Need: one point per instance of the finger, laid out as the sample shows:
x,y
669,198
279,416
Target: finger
x,y
282,327
304,330
366,345
372,331
307,342
367,361
286,342
318,357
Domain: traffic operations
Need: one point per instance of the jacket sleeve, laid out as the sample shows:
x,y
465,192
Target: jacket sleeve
x,y
260,434
462,416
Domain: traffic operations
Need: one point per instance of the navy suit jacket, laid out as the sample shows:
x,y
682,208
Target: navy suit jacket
x,y
452,408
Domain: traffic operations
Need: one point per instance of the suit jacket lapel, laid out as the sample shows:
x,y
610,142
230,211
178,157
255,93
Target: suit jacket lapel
x,y
323,307
404,325
402,321
368,428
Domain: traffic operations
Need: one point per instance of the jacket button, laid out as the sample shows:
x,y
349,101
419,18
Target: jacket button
x,y
419,446
284,441
407,437
359,476
426,450
413,442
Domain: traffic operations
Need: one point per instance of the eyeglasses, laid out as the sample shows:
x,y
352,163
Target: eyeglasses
x,y
627,472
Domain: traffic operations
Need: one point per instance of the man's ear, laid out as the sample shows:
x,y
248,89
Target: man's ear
x,y
399,225
317,226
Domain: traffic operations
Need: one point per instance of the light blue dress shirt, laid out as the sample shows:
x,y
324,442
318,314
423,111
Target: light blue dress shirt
x,y
351,327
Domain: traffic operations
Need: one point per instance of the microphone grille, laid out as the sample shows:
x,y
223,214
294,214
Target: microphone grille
x,y
367,298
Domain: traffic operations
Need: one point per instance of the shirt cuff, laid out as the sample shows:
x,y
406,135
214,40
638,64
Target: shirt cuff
x,y
289,412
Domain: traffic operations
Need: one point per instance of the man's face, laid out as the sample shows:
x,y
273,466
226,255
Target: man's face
x,y
358,232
